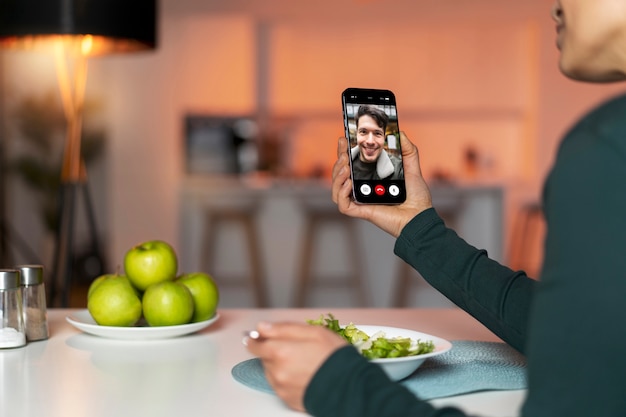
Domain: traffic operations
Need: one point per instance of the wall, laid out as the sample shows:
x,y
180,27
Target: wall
x,y
466,72
30,75
203,65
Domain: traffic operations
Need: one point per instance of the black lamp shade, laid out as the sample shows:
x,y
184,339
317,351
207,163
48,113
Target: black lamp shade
x,y
124,25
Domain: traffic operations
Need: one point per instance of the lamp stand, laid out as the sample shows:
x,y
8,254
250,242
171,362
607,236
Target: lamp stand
x,y
72,75
4,232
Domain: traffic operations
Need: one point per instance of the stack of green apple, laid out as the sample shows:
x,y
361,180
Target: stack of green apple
x,y
150,289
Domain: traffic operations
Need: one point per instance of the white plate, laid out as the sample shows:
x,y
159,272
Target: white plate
x,y
83,321
399,368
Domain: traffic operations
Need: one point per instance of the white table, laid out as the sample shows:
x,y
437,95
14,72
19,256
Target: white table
x,y
78,375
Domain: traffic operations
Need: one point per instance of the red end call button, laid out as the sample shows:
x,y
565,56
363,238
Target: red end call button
x,y
379,190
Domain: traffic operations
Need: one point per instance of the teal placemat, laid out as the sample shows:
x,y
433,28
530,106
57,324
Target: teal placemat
x,y
468,367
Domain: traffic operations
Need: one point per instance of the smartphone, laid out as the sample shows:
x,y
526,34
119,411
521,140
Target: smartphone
x,y
370,119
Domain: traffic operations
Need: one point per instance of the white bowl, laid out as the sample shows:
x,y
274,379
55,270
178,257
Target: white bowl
x,y
400,368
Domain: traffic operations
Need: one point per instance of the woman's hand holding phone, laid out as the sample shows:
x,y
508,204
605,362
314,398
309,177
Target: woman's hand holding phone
x,y
390,218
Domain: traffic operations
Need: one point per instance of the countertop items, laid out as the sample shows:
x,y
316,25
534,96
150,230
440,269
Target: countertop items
x,y
12,332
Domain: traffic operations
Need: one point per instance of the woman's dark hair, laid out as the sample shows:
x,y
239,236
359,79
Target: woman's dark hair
x,y
379,116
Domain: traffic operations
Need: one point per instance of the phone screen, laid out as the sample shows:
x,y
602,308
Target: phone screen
x,y
371,125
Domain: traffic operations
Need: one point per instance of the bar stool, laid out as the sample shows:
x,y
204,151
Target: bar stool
x,y
318,218
525,243
406,281
404,284
241,215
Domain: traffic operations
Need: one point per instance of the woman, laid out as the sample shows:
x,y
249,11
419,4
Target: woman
x,y
570,324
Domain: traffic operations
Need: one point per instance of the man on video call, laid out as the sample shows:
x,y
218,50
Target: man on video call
x,y
370,160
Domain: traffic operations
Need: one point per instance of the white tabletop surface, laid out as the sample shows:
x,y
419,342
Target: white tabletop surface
x,y
73,374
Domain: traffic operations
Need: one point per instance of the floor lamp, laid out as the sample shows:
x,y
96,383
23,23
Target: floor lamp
x,y
74,30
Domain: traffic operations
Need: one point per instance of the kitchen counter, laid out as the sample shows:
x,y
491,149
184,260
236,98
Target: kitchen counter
x,y
475,211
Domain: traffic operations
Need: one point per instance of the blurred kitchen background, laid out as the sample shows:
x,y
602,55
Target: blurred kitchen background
x,y
238,112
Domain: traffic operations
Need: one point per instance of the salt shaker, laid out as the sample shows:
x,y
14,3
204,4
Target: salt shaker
x,y
12,333
34,302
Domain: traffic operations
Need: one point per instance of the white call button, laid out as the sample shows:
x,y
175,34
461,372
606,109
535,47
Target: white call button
x,y
366,189
394,190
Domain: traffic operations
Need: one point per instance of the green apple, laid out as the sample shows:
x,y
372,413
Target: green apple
x,y
167,303
114,301
94,284
205,294
150,263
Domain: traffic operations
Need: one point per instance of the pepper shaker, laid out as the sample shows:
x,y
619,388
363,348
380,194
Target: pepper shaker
x,y
34,302
12,333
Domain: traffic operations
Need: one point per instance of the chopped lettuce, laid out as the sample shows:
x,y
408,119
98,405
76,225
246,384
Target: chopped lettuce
x,y
376,346
350,332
